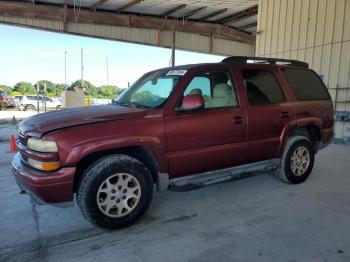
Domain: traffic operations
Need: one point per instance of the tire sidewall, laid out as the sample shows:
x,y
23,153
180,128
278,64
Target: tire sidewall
x,y
29,108
97,174
287,161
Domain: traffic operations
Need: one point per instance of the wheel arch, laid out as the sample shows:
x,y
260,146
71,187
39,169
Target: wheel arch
x,y
141,153
309,130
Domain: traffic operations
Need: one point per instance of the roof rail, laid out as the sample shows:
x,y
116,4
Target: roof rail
x,y
263,60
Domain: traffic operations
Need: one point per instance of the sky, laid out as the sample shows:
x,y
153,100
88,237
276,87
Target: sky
x,y
31,55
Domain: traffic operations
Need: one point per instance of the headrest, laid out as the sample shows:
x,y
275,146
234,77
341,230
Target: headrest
x,y
222,90
196,91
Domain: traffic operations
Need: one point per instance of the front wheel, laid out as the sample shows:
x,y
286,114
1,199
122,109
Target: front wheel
x,y
29,108
115,191
297,160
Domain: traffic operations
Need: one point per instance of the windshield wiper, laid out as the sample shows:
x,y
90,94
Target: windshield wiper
x,y
126,104
137,105
132,104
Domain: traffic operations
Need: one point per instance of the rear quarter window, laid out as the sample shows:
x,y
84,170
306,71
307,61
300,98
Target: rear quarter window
x,y
305,84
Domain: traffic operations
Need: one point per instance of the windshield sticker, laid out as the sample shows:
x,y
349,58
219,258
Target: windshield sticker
x,y
176,72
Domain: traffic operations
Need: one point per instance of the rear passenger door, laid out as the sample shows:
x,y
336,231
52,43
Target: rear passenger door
x,y
268,113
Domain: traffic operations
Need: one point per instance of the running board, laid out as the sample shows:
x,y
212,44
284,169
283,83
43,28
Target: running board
x,y
212,177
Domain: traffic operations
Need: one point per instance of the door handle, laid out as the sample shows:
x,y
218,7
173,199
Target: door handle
x,y
284,114
237,120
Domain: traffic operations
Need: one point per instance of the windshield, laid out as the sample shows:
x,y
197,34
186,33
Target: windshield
x,y
150,91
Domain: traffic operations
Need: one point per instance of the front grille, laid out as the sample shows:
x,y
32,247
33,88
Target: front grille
x,y
22,138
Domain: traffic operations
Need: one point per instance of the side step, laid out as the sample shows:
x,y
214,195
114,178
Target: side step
x,y
196,181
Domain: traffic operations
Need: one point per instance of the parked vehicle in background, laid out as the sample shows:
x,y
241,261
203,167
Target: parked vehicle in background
x,y
173,127
6,101
30,103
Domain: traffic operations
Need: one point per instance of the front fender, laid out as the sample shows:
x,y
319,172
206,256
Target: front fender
x,y
95,145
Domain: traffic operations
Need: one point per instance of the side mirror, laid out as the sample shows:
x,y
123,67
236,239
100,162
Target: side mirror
x,y
192,102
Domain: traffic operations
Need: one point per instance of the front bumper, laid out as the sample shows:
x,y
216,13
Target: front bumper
x,y
52,188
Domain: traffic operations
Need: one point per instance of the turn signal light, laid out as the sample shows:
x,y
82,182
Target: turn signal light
x,y
45,166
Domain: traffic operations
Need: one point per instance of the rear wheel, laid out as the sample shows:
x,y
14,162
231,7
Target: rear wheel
x,y
29,108
58,107
3,106
115,191
297,160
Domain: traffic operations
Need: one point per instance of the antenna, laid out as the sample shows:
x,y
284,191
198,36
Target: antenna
x,y
82,64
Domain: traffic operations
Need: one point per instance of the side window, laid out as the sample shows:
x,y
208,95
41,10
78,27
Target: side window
x,y
262,88
215,87
305,84
199,85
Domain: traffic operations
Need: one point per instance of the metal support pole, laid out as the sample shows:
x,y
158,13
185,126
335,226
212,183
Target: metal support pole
x,y
37,96
65,70
107,70
173,50
336,98
44,97
82,64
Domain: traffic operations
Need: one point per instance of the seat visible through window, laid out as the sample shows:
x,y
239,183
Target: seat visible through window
x,y
223,96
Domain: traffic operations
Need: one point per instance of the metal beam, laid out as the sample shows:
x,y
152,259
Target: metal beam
x,y
57,13
97,4
194,12
244,27
128,5
219,12
174,10
239,16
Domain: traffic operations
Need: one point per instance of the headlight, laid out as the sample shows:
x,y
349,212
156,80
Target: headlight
x,y
45,166
42,145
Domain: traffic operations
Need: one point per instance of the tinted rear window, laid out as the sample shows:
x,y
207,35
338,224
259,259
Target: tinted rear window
x,y
305,84
262,87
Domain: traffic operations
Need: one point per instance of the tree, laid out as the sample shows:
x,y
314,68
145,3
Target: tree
x,y
108,91
25,88
50,87
89,89
59,88
7,89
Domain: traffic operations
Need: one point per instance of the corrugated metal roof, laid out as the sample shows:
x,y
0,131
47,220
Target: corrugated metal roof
x,y
160,7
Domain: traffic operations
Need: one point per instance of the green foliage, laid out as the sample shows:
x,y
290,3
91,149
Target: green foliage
x,y
89,89
55,90
14,93
6,88
59,88
25,88
107,91
142,97
50,87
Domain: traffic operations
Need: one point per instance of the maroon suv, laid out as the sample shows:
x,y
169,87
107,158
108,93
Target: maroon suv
x,y
174,127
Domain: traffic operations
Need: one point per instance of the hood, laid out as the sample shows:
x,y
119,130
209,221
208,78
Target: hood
x,y
39,124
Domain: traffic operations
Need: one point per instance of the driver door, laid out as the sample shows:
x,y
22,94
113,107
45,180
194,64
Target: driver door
x,y
209,138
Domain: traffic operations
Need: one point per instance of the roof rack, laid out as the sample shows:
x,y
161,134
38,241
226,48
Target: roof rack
x,y
263,60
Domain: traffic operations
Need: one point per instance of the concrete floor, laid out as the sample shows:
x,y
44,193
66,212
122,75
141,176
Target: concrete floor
x,y
254,219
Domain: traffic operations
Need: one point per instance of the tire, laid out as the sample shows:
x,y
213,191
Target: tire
x,y
3,106
297,160
58,107
29,108
98,199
